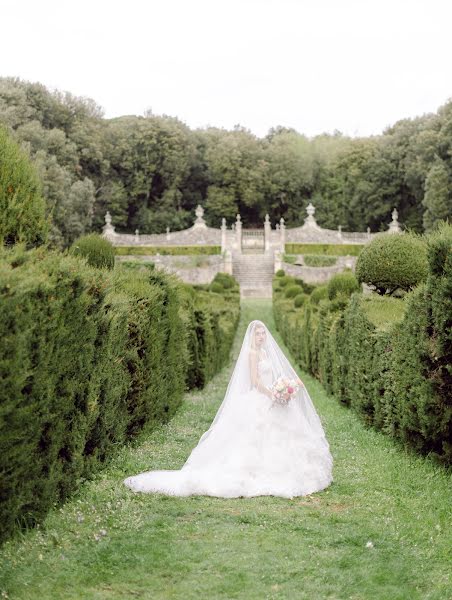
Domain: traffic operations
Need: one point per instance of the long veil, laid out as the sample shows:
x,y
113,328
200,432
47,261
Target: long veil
x,y
252,447
230,413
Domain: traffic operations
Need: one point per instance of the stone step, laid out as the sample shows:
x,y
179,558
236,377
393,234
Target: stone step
x,y
254,272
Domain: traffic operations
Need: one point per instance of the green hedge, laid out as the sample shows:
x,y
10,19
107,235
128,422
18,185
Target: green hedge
x,y
389,359
325,249
98,251
319,260
89,358
166,250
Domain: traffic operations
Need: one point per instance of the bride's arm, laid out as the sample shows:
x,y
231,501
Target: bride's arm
x,y
255,380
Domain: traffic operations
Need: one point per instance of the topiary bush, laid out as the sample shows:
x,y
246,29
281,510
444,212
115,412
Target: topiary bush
x,y
98,251
22,207
393,261
292,290
216,287
300,300
226,281
307,287
320,293
285,280
342,284
280,273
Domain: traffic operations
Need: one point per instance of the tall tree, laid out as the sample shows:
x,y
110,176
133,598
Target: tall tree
x,y
438,197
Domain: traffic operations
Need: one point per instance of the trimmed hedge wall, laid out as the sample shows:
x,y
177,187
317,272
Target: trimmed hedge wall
x,y
89,358
166,250
397,377
324,249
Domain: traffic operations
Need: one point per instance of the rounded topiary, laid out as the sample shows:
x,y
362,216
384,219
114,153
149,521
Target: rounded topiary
x,y
216,287
299,300
225,280
307,287
392,261
292,290
320,293
98,251
280,273
342,283
285,280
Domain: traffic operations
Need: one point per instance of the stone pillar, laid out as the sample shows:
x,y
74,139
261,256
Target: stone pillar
x,y
368,233
238,233
223,235
282,236
137,236
267,233
168,237
227,262
339,232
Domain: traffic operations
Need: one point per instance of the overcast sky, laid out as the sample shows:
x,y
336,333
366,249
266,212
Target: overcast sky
x,y
315,65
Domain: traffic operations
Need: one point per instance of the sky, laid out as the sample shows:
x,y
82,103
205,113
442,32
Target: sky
x,y
356,66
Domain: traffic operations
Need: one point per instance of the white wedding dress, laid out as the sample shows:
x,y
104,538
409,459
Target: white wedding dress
x,y
254,447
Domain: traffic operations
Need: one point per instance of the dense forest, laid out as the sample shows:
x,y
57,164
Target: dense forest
x,y
151,171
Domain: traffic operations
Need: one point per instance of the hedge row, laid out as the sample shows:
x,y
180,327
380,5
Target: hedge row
x,y
391,364
89,358
324,249
166,250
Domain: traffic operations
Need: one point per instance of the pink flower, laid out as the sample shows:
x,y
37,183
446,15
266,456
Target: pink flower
x,y
290,390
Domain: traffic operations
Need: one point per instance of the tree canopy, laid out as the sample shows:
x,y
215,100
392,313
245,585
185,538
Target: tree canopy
x,y
151,171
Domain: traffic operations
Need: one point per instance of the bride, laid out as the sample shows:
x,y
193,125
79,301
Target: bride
x,y
265,440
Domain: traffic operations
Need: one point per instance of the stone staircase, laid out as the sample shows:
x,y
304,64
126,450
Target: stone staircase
x,y
254,272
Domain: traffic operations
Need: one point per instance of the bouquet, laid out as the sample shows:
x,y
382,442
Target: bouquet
x,y
283,390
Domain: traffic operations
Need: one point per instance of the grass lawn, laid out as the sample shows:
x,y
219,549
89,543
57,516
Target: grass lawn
x,y
382,530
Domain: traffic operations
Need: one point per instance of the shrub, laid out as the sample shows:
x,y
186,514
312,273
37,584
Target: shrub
x,y
98,251
319,260
225,280
307,287
290,259
292,290
328,249
389,359
166,250
216,287
300,300
392,261
90,358
319,293
285,280
22,207
280,273
342,283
